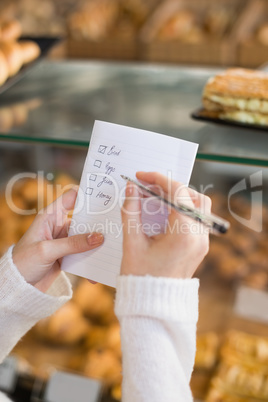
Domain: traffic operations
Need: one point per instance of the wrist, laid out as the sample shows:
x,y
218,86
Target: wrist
x,y
160,297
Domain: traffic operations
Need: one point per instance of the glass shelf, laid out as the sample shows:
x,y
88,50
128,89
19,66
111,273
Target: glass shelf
x,y
58,102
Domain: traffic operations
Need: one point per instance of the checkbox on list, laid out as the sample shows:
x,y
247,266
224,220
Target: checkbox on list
x,y
89,190
102,149
93,177
97,163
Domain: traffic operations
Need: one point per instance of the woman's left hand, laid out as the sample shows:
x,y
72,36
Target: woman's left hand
x,y
39,252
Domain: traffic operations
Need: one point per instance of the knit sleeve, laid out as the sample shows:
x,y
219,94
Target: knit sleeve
x,y
22,305
158,319
4,398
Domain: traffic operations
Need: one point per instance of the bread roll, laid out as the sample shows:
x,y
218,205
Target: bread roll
x,y
6,119
30,51
12,53
178,26
95,302
10,30
20,114
262,35
3,68
104,365
231,267
65,327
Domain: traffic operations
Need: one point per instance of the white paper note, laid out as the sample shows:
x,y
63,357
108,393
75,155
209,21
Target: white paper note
x,y
118,150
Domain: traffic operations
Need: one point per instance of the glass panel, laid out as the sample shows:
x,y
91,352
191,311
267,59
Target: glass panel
x,y
59,102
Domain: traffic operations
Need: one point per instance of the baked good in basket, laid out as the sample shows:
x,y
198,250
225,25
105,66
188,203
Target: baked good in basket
x,y
238,94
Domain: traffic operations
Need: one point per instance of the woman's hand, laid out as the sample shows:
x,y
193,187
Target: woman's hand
x,y
176,253
39,252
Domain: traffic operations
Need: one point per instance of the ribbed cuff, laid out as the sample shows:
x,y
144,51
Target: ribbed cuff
x,y
24,299
163,298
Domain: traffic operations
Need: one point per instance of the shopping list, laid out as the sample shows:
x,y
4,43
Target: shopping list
x,y
117,150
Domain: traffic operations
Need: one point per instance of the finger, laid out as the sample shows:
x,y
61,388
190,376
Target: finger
x,y
52,250
69,198
200,201
65,229
174,191
56,214
64,203
93,282
131,214
159,180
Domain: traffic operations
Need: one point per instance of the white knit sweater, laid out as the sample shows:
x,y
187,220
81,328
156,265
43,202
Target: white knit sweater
x,y
158,319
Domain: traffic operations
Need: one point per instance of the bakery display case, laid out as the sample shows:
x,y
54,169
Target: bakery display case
x,y
46,121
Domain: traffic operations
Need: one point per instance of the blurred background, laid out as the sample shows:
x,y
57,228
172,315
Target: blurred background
x,y
211,32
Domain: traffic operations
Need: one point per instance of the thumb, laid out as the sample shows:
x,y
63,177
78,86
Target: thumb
x,y
58,248
131,213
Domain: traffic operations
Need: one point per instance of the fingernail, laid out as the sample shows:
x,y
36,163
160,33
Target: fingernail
x,y
129,190
95,239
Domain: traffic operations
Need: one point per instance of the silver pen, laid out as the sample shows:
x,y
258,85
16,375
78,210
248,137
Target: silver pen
x,y
213,222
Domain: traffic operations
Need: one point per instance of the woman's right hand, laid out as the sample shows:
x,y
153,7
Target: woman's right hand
x,y
176,253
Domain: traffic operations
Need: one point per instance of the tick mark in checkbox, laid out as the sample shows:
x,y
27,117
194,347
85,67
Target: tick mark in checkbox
x,y
102,149
89,190
93,177
97,163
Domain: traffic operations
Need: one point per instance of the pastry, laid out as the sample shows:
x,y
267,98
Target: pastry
x,y
95,302
242,374
96,337
104,365
12,53
250,349
116,392
217,20
94,20
238,94
6,117
20,114
258,258
257,280
67,326
207,345
231,266
10,30
34,192
178,26
262,34
30,50
243,242
3,68
113,340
